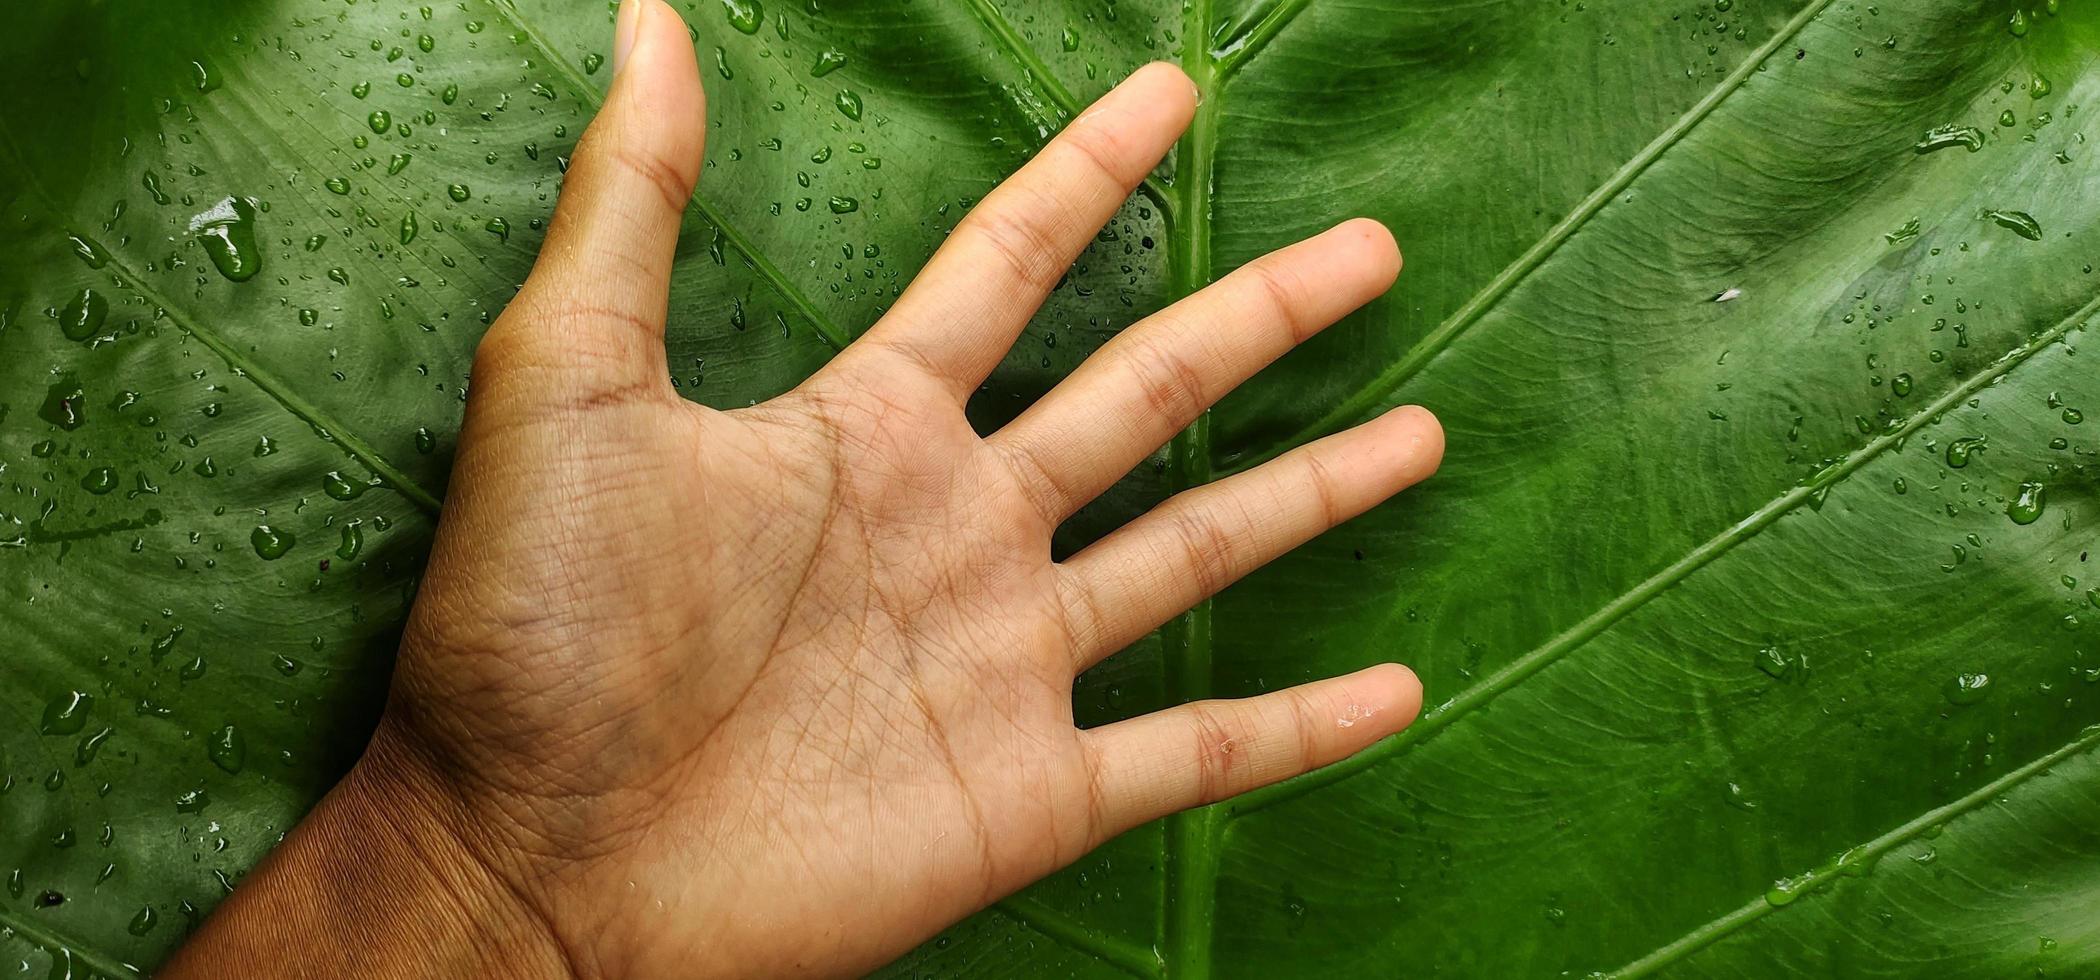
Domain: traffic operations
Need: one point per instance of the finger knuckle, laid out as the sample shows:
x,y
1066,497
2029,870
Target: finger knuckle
x,y
1217,750
1323,489
1283,297
1046,493
1171,384
667,179
1021,241
1102,149
1305,717
1206,546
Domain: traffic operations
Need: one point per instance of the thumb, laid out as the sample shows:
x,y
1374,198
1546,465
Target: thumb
x,y
595,303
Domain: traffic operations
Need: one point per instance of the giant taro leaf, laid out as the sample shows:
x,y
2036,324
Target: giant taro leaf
x,y
1753,599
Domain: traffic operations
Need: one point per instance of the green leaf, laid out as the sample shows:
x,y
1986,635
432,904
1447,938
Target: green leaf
x,y
1753,597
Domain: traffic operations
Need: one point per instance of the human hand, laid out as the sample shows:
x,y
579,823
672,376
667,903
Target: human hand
x,y
787,689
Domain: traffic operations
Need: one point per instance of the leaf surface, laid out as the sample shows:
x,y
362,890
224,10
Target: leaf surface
x,y
1750,651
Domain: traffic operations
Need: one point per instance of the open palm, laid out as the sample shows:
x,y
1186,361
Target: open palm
x,y
788,689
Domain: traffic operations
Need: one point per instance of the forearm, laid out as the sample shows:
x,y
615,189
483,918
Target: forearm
x,y
373,883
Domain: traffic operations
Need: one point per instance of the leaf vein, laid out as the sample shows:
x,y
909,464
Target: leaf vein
x,y
1016,50
322,424
1477,307
1633,599
1860,855
1059,927
57,947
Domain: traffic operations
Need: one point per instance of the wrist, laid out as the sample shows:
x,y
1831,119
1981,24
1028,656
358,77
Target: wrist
x,y
381,879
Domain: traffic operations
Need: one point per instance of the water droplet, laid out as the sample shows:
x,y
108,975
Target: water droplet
x,y
1785,890
143,922
337,184
228,234
745,15
426,441
1945,136
849,103
228,749
2007,119
844,205
67,713
89,250
1738,797
1959,451
64,404
100,480
1775,662
83,316
1901,385
828,62
1966,688
340,487
380,121
2026,508
2021,223
459,192
2018,24
271,543
408,227
192,801
499,228
353,542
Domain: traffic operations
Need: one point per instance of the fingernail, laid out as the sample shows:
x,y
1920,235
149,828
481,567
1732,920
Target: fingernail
x,y
625,30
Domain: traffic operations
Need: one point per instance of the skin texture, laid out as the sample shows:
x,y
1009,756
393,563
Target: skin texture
x,y
786,690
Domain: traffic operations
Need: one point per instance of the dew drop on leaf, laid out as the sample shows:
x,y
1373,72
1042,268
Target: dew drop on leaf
x,y
67,713
745,15
1966,688
227,230
2026,508
99,481
271,543
63,404
83,315
2020,222
1959,451
227,749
